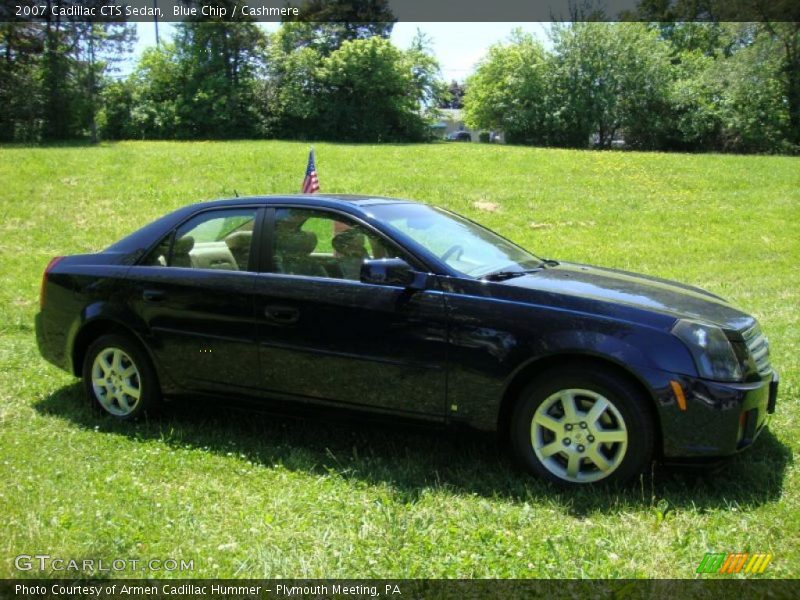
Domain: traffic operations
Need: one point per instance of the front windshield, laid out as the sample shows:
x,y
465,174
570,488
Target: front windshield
x,y
465,246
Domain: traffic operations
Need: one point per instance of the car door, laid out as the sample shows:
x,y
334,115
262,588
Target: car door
x,y
325,335
195,293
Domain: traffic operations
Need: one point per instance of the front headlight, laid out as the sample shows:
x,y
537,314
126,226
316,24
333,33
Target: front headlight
x,y
712,351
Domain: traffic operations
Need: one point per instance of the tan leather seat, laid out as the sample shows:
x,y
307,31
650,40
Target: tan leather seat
x,y
293,254
350,247
180,252
212,255
239,244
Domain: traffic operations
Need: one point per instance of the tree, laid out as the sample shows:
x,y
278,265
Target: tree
x,y
115,118
454,97
695,92
217,64
779,21
713,39
77,53
151,97
21,46
509,89
370,94
609,78
291,92
429,89
786,37
326,24
99,45
755,114
367,90
52,72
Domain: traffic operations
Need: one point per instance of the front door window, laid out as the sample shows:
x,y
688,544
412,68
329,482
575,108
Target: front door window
x,y
322,244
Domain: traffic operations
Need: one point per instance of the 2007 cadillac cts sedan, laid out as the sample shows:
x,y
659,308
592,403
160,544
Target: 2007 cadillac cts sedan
x,y
402,308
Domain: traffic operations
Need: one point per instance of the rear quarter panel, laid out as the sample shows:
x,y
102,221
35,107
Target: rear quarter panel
x,y
81,290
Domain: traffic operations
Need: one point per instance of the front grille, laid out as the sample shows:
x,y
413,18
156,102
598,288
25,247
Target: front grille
x,y
758,346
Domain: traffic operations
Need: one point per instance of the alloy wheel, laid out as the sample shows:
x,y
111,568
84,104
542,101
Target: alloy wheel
x,y
116,381
579,435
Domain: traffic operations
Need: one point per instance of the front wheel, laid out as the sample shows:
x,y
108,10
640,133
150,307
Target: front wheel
x,y
119,379
576,426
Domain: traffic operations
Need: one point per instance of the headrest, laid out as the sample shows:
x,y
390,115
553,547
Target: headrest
x,y
239,240
298,242
350,243
183,245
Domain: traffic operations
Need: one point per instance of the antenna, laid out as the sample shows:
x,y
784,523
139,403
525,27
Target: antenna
x,y
237,193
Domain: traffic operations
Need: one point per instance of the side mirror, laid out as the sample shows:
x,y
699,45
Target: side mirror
x,y
392,271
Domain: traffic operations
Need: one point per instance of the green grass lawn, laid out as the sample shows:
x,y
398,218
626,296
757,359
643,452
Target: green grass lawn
x,y
266,496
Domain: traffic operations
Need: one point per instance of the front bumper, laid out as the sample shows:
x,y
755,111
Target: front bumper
x,y
720,419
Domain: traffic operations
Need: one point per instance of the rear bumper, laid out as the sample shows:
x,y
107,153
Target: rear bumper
x,y
719,420
51,350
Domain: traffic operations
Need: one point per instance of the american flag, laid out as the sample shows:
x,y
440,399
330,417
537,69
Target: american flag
x,y
311,183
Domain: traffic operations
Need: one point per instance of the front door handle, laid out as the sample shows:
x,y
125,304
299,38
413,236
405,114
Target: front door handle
x,y
153,296
282,315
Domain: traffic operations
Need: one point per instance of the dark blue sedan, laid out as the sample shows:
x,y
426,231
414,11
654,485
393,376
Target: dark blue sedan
x,y
400,308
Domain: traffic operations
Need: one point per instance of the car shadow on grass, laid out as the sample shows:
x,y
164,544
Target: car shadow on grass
x,y
413,460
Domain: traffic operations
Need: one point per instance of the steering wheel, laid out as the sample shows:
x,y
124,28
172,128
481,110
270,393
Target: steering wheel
x,y
452,250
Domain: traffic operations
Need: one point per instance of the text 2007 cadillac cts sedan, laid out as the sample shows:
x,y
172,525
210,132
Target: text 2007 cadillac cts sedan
x,y
406,309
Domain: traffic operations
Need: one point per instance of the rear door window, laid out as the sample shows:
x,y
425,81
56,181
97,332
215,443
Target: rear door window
x,y
215,240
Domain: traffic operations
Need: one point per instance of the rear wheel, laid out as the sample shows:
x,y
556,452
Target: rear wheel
x,y
575,426
119,379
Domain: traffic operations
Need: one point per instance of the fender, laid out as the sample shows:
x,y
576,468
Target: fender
x,y
120,316
638,350
632,347
618,353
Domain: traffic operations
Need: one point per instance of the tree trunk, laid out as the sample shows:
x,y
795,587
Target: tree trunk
x,y
92,106
56,114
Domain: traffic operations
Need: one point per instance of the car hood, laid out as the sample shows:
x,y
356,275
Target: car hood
x,y
631,289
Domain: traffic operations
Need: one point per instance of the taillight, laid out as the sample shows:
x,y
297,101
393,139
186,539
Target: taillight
x,y
53,262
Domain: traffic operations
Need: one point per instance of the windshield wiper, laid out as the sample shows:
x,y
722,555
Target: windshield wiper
x,y
503,275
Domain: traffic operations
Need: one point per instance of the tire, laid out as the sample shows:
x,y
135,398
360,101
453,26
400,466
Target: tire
x,y
119,378
567,450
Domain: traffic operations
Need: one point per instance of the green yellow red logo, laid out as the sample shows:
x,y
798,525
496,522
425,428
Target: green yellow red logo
x,y
736,562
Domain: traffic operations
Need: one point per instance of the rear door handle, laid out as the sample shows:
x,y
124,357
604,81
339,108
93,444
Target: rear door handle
x,y
153,296
283,315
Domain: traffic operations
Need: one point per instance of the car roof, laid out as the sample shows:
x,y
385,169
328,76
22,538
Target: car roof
x,y
345,200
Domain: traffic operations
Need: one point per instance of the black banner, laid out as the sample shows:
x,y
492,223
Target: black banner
x,y
405,589
403,10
